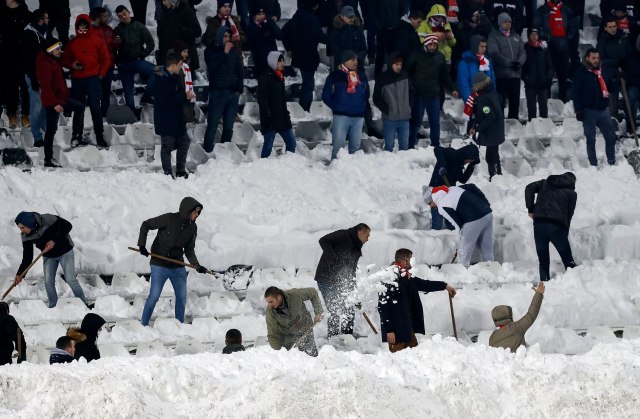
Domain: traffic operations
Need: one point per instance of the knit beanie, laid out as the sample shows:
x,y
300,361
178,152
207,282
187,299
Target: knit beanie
x,y
51,44
348,55
430,39
179,46
27,219
223,2
503,17
273,58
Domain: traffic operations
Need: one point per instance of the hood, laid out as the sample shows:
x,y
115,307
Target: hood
x,y
502,315
273,58
220,34
469,152
474,43
87,19
91,324
481,83
564,181
75,334
391,59
187,206
338,23
437,10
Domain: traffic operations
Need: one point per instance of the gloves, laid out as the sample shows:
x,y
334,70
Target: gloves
x,y
515,66
143,251
579,116
442,171
201,269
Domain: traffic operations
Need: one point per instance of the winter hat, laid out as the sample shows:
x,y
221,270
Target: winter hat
x,y
348,55
273,58
438,193
430,39
179,46
503,17
222,3
27,219
347,11
52,44
475,41
502,315
395,57
257,7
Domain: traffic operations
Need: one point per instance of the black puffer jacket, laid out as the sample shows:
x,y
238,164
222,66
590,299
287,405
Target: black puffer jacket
x,y
301,36
488,117
86,337
556,199
341,251
176,234
614,52
406,40
537,72
454,161
272,100
345,37
13,23
179,23
225,70
429,72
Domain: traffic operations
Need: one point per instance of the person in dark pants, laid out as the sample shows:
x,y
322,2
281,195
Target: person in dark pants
x,y
170,125
551,213
86,336
272,100
400,308
385,16
615,49
590,101
99,22
224,64
89,60
139,9
336,275
537,74
59,17
488,122
54,96
176,238
347,35
11,337
300,37
178,20
262,33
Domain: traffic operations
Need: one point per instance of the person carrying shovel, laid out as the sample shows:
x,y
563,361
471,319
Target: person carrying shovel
x,y
50,234
176,238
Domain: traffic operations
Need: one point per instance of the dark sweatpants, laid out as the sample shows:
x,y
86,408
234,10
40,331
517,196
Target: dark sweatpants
x,y
539,97
509,89
167,145
52,118
545,233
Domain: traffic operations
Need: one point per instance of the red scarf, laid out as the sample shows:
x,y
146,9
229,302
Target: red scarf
x,y
623,24
468,106
603,85
555,19
483,63
535,44
352,77
227,20
401,269
280,74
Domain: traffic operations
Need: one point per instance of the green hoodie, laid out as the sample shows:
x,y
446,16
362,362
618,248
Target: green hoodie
x,y
446,45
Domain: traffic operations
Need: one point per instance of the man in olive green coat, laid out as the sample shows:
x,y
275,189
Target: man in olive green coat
x,y
289,323
511,334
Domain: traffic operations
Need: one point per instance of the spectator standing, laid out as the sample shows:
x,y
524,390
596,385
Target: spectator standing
x,y
11,337
223,17
473,61
59,17
406,40
614,49
537,74
348,35
99,21
178,21
262,33
386,16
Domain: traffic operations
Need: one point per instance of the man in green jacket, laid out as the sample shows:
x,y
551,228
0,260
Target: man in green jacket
x,y
511,334
289,323
176,238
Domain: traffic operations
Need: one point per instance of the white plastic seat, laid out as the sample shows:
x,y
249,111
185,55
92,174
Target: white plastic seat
x,y
110,350
151,349
189,347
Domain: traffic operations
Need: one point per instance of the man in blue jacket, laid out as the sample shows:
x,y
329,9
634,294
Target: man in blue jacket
x,y
346,92
591,102
400,308
168,116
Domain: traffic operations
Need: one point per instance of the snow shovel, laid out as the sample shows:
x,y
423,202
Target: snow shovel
x,y
632,119
22,275
369,321
453,318
176,261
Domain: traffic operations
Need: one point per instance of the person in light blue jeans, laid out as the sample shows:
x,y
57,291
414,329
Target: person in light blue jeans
x,y
346,129
67,261
37,115
159,275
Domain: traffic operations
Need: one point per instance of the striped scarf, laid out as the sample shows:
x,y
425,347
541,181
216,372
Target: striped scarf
x,y
188,80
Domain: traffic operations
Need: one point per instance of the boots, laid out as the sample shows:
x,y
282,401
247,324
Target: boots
x,y
25,121
51,163
100,141
78,141
13,121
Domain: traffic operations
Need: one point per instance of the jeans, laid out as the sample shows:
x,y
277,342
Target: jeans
x,y
346,128
391,128
222,103
602,119
167,145
438,222
52,117
476,233
127,72
432,106
159,275
545,233
269,136
91,88
36,112
539,97
509,89
50,265
306,89
341,314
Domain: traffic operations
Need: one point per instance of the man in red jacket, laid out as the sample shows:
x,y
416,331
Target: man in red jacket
x,y
100,24
89,60
54,95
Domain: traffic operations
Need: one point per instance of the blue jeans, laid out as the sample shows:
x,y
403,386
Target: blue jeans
x,y
391,128
159,275
91,88
50,265
432,106
601,119
270,136
222,103
306,90
37,114
438,222
127,72
346,128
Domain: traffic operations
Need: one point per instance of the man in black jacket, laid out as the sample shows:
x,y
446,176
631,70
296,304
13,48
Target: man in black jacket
x,y
347,35
400,308
86,336
552,213
11,337
168,116
590,101
406,40
176,238
63,352
59,17
224,64
336,275
385,16
272,100
537,74
50,234
614,48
